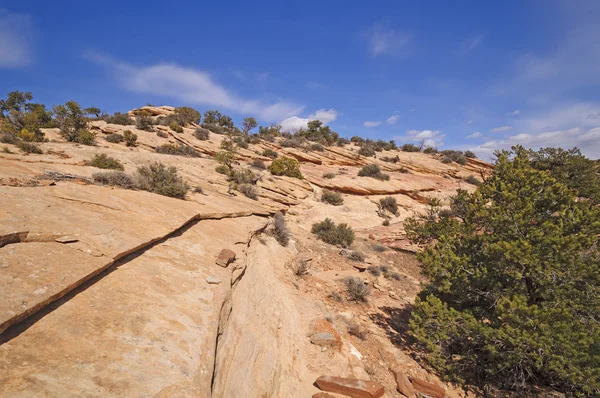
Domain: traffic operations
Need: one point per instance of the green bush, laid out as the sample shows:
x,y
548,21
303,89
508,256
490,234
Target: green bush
x,y
161,134
119,118
329,176
178,150
470,155
114,138
130,138
280,230
19,115
430,150
389,204
329,232
333,198
175,127
202,134
114,178
389,159
473,180
248,190
222,169
294,142
259,164
285,166
243,176
446,160
342,141
411,148
29,147
162,180
270,153
513,284
144,121
374,171
366,150
103,161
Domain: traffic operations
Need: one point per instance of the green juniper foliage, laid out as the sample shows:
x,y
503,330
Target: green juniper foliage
x,y
514,282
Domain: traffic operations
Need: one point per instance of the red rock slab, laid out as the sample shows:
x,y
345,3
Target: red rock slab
x,y
350,387
403,384
225,257
428,388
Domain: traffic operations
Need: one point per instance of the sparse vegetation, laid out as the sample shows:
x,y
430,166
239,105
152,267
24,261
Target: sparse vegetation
x,y
122,119
317,147
115,138
374,171
130,138
473,180
285,166
161,180
144,121
103,161
357,289
198,189
446,160
430,150
455,156
470,155
202,134
356,256
300,268
390,204
390,159
29,147
270,153
386,222
366,150
22,119
329,176
331,197
6,149
354,329
175,127
178,150
114,178
411,148
259,164
329,232
248,190
161,134
374,270
222,169
280,230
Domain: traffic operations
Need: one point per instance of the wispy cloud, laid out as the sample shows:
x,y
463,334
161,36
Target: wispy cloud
x,y
371,124
192,86
516,112
593,116
316,86
471,43
382,40
476,134
392,119
296,123
500,129
433,138
15,39
469,122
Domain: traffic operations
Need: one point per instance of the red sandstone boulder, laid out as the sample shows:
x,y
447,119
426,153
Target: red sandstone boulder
x,y
351,387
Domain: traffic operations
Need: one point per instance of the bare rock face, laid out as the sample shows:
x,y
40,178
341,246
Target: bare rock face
x,y
427,388
403,384
225,257
323,339
153,110
323,395
350,387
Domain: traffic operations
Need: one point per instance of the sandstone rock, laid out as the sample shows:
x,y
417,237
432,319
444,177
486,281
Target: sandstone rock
x,y
322,395
211,280
323,339
225,257
350,387
403,384
360,267
427,388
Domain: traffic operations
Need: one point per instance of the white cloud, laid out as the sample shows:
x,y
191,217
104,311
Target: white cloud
x,y
15,39
392,119
192,86
588,140
500,129
382,40
593,116
468,122
433,138
476,134
296,123
372,124
470,43
316,86
516,112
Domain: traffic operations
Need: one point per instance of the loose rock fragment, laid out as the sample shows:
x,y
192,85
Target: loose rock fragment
x,y
351,387
428,388
225,257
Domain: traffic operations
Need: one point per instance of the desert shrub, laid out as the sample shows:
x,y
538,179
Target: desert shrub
x,y
329,232
512,295
390,204
446,160
259,164
357,140
222,169
114,178
374,171
300,268
285,166
461,160
335,296
253,139
8,138
86,137
29,147
411,148
455,156
178,150
119,118
6,149
390,159
144,122
114,138
357,289
241,142
175,127
103,161
161,134
162,180
130,138
185,115
19,115
202,134
430,150
329,176
356,256
356,330
248,190
280,230
386,222
243,176
374,270
393,275
270,153
331,197
72,122
198,189
342,141
473,180
366,150
294,142
379,248
317,147
403,170
470,155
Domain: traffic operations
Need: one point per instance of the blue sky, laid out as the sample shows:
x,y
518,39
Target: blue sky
x,y
475,75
